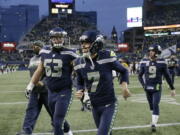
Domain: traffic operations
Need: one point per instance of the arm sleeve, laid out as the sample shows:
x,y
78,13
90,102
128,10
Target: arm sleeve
x,y
140,75
167,76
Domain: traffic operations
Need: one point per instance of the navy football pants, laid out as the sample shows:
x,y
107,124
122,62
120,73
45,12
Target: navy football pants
x,y
59,103
154,100
172,74
104,118
33,109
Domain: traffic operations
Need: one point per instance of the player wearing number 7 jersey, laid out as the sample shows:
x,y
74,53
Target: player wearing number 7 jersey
x,y
150,76
94,74
57,65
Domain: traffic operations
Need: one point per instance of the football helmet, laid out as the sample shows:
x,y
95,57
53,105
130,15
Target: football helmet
x,y
95,39
156,48
57,37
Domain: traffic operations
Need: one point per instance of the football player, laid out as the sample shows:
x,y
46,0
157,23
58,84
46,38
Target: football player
x,y
151,71
38,96
172,65
95,80
57,66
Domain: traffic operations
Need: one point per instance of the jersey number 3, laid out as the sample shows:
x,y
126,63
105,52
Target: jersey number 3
x,y
152,71
55,70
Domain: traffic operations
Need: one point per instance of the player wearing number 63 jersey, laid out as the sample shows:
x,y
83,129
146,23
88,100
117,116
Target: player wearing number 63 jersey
x,y
150,76
57,65
94,74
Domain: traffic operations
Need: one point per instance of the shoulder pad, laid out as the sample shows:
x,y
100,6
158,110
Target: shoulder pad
x,y
144,61
162,61
44,51
105,57
112,54
79,63
70,52
107,54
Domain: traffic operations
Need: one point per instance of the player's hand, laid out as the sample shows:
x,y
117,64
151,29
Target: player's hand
x,y
29,89
27,93
173,93
79,94
126,93
40,84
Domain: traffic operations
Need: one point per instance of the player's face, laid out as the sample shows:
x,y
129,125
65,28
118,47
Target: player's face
x,y
57,40
85,47
36,49
152,54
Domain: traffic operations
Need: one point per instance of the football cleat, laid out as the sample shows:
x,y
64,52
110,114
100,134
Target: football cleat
x,y
153,128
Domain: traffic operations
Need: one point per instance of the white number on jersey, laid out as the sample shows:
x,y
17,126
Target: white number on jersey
x,y
152,71
57,67
95,77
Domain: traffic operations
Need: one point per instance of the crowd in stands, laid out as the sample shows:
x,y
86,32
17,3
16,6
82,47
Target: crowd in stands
x,y
163,15
163,41
74,25
10,56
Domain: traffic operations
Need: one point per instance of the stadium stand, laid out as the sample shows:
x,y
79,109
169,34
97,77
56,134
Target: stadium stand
x,y
163,15
73,24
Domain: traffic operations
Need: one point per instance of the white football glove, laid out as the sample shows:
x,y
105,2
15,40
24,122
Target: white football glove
x,y
86,101
86,97
29,89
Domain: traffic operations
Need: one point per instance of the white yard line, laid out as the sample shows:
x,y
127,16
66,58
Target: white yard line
x,y
117,128
12,103
130,87
139,98
11,91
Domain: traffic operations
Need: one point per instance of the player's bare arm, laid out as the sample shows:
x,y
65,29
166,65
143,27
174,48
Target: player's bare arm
x,y
36,76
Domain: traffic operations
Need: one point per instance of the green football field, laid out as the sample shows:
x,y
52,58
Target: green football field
x,y
133,116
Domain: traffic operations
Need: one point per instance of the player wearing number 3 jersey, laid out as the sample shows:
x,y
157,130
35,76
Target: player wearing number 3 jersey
x,y
150,76
57,65
94,74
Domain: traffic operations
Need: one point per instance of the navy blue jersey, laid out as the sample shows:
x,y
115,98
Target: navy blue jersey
x,y
98,79
58,68
151,72
172,64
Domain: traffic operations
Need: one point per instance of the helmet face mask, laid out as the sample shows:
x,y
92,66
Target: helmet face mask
x,y
57,41
57,37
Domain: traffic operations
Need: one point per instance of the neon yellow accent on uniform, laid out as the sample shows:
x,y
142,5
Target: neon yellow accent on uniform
x,y
112,53
125,65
